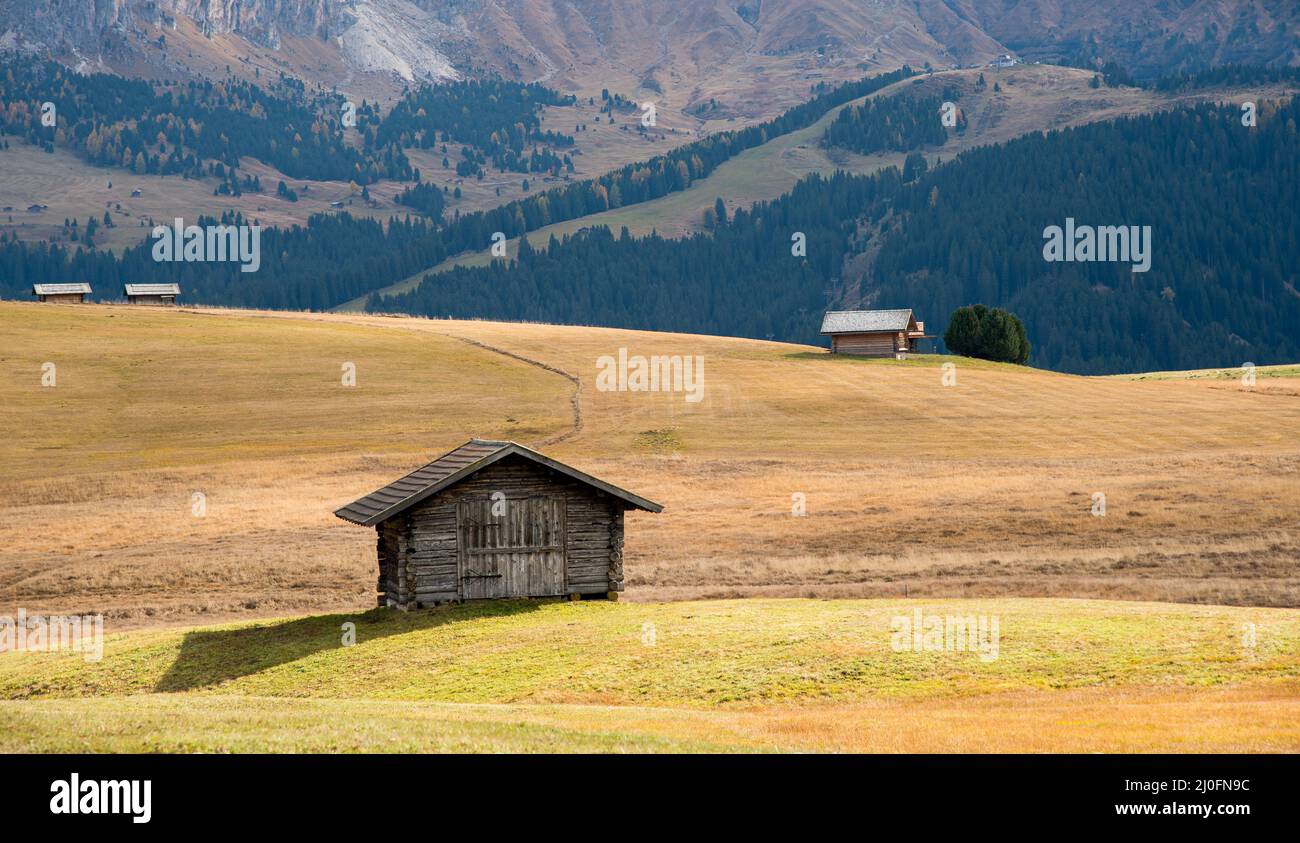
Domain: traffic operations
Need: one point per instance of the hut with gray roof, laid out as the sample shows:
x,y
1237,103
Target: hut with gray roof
x,y
495,519
76,292
152,293
873,333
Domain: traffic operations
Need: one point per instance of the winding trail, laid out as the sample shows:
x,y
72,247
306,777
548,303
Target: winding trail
x,y
575,402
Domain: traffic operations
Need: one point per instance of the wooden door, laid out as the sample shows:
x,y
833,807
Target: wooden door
x,y
511,547
480,561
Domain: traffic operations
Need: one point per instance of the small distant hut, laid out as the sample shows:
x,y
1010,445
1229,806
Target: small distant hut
x,y
61,292
495,519
164,294
873,333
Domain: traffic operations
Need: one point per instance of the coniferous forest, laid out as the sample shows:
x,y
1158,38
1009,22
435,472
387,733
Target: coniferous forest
x,y
192,129
1220,198
494,121
742,279
897,123
295,277
424,197
1222,289
204,129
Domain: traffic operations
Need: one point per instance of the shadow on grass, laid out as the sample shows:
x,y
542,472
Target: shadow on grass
x,y
213,656
913,360
826,355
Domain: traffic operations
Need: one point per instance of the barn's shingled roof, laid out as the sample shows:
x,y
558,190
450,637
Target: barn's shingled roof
x,y
456,465
60,289
861,321
153,289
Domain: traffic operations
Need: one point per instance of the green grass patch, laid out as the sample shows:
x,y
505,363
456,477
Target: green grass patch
x,y
1233,373
698,655
183,723
660,440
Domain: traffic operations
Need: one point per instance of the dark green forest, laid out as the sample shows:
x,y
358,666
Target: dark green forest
x,y
1222,288
897,123
742,279
490,119
203,129
1220,199
1222,203
334,259
1226,74
296,277
193,129
424,197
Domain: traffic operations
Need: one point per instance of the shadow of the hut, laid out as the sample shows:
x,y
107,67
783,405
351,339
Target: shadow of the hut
x,y
210,657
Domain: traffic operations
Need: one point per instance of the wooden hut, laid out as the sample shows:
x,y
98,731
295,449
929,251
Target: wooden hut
x,y
873,333
152,293
61,292
496,519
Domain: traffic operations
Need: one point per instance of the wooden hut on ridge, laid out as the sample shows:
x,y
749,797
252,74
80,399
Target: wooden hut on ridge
x,y
61,292
873,333
164,294
496,519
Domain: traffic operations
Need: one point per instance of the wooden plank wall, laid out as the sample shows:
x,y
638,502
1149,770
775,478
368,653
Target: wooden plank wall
x,y
881,343
512,547
153,301
592,524
390,584
423,541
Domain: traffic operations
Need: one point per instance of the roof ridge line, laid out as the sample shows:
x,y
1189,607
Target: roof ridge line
x,y
374,513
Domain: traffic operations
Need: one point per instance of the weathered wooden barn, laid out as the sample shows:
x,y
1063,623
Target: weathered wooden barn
x,y
496,519
61,292
152,293
873,333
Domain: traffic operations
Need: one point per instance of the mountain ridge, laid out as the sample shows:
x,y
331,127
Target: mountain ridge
x,y
755,55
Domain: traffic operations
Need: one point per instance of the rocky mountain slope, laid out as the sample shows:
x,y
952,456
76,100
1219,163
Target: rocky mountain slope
x,y
735,57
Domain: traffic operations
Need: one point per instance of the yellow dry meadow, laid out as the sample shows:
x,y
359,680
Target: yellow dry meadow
x,y
185,464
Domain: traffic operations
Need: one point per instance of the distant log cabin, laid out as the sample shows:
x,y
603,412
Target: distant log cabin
x,y
873,333
155,294
496,519
61,292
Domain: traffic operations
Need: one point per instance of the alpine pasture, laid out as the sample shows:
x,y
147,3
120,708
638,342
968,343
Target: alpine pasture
x,y
180,476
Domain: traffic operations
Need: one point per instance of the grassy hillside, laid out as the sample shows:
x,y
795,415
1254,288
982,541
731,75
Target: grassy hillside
x,y
152,407
766,674
962,499
983,488
1232,374
701,654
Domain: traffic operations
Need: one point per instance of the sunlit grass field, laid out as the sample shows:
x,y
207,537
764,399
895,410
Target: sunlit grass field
x,y
972,497
911,484
741,675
